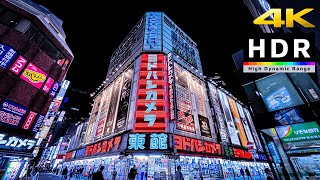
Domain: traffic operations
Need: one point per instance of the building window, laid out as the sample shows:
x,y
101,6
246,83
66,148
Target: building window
x,y
48,47
38,38
31,31
9,19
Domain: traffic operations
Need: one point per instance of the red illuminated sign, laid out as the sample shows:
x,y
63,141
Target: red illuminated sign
x,y
242,154
194,145
103,146
69,155
29,120
152,102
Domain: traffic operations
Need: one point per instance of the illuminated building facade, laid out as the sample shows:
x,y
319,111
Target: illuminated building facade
x,y
156,111
34,59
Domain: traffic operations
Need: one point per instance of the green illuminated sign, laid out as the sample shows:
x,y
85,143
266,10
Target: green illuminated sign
x,y
299,132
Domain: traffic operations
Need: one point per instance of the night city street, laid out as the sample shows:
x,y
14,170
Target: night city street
x,y
159,90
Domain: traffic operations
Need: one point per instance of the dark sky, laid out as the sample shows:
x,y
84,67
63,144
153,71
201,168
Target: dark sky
x,y
94,30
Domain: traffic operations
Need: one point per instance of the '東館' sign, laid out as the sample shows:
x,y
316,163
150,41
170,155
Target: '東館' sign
x,y
154,141
152,101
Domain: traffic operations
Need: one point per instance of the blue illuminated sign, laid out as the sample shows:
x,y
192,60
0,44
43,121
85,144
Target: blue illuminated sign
x,y
12,114
137,141
154,141
152,35
80,153
158,141
54,89
7,54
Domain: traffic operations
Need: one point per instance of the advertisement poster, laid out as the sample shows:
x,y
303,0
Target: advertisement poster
x,y
152,33
113,106
245,124
33,75
7,54
93,117
47,85
229,119
253,129
199,93
204,126
38,123
288,116
299,132
29,120
18,65
218,113
185,121
12,114
278,92
234,110
54,89
105,101
124,102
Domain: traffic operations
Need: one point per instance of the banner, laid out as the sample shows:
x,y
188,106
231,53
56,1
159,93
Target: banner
x,y
299,132
185,121
200,93
38,123
113,106
7,54
218,113
105,102
239,125
34,75
93,118
253,129
18,65
12,114
246,125
48,84
204,126
124,102
288,116
229,119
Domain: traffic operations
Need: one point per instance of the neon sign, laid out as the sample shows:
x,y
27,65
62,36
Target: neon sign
x,y
7,54
154,141
103,146
152,37
152,101
195,145
16,144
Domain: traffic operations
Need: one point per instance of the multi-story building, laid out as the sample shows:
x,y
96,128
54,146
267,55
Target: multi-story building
x,y
155,112
34,59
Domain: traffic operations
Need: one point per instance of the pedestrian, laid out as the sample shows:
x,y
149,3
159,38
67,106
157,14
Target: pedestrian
x,y
269,174
114,174
242,172
90,172
71,173
98,175
64,173
133,172
248,173
179,175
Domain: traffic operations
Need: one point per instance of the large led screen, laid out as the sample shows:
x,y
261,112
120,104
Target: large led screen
x,y
278,92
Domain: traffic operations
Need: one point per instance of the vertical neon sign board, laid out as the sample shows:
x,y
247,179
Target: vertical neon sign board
x,y
152,37
152,102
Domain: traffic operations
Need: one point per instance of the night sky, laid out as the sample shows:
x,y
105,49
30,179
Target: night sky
x,y
94,31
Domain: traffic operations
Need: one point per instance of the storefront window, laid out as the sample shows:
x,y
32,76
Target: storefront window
x,y
9,19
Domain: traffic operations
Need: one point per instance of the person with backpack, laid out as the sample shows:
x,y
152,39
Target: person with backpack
x,y
98,175
179,175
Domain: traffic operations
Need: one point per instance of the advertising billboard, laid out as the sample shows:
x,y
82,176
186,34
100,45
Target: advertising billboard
x,y
113,105
299,132
288,116
199,92
246,125
54,89
38,123
236,116
123,106
29,120
48,84
105,101
185,121
18,65
154,141
229,119
278,92
218,113
93,117
12,114
16,143
152,32
152,96
33,75
253,129
7,54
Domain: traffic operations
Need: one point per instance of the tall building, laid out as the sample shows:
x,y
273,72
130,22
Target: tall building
x,y
158,111
34,59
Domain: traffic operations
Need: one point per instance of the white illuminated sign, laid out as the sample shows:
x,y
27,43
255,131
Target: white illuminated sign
x,y
12,141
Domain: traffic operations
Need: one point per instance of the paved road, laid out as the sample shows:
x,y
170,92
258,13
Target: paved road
x,y
49,176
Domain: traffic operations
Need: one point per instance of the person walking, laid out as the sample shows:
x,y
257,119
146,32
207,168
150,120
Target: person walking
x,y
99,174
242,172
64,173
269,174
133,172
179,175
248,173
114,174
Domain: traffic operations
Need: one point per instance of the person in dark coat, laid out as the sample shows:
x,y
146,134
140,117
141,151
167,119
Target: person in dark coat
x,y
242,172
178,175
133,172
248,173
269,174
64,173
98,175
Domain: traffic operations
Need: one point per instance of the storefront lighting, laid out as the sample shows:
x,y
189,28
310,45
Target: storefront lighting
x,y
120,65
107,79
117,69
